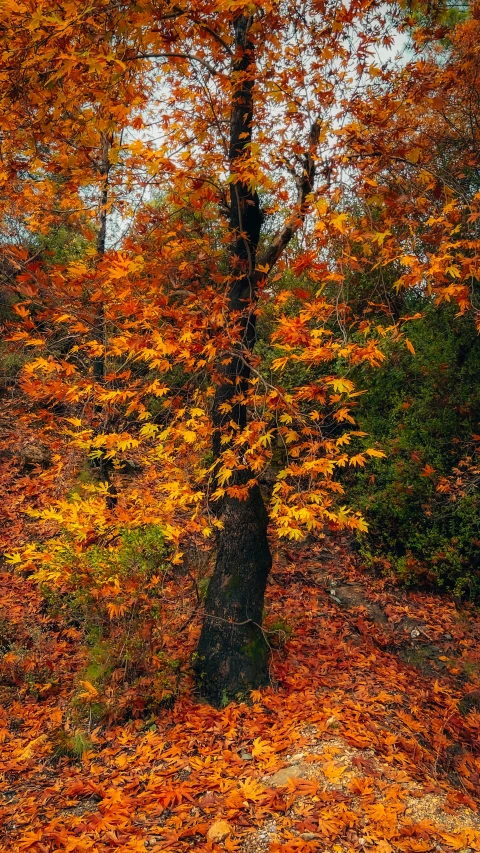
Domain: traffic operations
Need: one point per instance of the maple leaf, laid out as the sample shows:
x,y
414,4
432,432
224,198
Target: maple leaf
x,y
252,790
261,748
90,692
333,772
32,748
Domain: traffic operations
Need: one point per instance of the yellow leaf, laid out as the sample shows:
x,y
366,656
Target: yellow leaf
x,y
13,558
413,156
90,691
359,459
410,346
333,772
260,748
338,222
455,841
29,750
380,236
341,385
223,475
251,789
453,271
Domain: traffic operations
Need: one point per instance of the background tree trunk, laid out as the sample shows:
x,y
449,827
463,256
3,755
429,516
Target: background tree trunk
x,y
102,466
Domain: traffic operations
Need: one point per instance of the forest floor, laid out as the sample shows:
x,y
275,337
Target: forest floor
x,y
368,738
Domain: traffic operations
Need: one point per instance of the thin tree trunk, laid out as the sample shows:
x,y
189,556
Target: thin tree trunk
x,y
232,654
99,320
101,466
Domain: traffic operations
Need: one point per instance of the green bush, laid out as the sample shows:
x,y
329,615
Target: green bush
x,y
118,595
423,410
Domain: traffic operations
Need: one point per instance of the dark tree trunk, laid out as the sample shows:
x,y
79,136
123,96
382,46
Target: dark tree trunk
x,y
232,654
99,366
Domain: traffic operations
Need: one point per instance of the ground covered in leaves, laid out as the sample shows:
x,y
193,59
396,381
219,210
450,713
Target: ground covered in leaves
x,y
367,740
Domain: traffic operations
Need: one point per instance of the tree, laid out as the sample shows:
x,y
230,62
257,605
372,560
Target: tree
x,y
246,98
232,652
415,146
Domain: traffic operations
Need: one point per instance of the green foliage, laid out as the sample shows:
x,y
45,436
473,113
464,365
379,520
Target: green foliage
x,y
68,744
278,632
423,409
11,365
115,595
61,245
203,587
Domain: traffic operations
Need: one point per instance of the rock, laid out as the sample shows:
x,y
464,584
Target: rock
x,y
351,596
219,831
184,773
295,771
335,597
246,756
34,455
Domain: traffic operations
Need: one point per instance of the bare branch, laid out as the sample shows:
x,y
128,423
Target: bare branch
x,y
215,35
305,183
213,71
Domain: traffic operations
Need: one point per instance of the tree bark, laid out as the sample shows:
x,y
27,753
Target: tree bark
x,y
100,465
99,365
232,654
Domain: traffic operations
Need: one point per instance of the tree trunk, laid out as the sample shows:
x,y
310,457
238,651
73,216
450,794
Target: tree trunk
x,y
99,366
100,465
232,655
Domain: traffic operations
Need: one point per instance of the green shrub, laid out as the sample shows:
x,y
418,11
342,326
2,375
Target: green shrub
x,y
116,595
422,509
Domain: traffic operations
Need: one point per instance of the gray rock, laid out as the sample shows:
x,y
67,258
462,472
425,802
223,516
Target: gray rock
x,y
281,777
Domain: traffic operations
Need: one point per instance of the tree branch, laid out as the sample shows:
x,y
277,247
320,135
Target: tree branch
x,y
305,183
213,71
215,35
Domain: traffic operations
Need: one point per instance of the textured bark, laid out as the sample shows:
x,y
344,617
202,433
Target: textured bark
x,y
232,655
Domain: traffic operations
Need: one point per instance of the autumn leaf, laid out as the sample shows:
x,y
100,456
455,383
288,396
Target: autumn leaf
x,y
261,748
250,789
90,692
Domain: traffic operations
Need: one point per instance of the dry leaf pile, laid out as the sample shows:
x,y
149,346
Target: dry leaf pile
x,y
367,739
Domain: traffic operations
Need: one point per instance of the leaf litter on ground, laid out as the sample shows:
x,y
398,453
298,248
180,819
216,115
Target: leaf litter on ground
x,y
368,738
